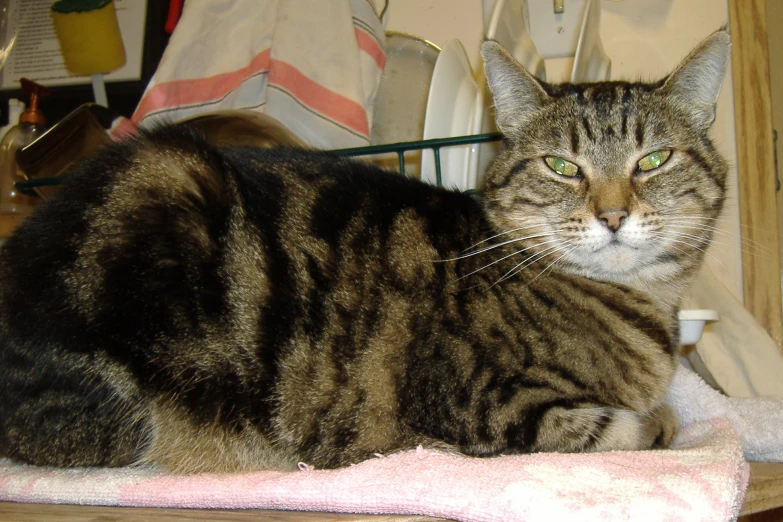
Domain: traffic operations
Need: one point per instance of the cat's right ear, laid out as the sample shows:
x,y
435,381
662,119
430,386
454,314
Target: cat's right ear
x,y
696,82
517,93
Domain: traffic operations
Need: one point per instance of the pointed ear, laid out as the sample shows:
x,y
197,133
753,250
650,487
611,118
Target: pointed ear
x,y
517,93
696,82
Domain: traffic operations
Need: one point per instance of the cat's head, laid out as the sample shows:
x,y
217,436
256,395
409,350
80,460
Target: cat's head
x,y
617,181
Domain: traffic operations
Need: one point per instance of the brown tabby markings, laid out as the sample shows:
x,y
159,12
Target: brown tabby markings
x,y
214,309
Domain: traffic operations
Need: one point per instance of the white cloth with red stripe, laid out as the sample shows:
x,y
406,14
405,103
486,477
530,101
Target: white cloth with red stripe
x,y
314,66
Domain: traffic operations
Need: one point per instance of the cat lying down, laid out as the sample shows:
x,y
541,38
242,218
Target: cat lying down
x,y
232,309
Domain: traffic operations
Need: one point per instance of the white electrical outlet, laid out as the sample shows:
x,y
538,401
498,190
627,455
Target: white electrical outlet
x,y
555,34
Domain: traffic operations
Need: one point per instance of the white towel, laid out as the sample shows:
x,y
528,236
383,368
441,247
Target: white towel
x,y
758,420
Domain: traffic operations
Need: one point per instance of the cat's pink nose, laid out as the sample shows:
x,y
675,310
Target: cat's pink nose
x,y
613,218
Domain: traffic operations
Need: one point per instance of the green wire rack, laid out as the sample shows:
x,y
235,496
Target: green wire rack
x,y
435,144
398,148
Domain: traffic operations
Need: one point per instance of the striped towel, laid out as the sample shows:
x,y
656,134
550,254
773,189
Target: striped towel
x,y
314,66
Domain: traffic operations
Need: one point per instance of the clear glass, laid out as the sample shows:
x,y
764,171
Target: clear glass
x,y
11,200
6,40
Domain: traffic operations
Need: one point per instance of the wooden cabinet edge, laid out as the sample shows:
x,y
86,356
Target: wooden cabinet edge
x,y
755,164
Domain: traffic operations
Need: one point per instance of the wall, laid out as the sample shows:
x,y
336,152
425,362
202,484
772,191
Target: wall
x,y
645,39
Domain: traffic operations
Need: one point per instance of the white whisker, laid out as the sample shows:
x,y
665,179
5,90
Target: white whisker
x,y
701,239
464,256
551,265
503,258
530,260
695,247
744,241
690,218
503,234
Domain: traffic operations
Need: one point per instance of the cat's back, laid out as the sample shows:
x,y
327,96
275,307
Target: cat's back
x,y
167,231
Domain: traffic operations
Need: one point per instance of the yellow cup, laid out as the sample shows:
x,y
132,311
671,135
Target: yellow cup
x,y
90,40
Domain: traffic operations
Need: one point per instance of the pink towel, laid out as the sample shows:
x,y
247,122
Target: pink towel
x,y
703,478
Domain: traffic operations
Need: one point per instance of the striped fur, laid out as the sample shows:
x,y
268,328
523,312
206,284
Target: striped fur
x,y
209,309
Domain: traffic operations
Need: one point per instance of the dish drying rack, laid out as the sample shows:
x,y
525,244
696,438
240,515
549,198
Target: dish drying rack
x,y
434,145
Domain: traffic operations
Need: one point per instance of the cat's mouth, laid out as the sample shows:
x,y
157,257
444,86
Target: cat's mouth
x,y
614,257
613,242
627,253
616,243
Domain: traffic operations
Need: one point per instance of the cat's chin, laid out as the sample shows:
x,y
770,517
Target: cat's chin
x,y
620,263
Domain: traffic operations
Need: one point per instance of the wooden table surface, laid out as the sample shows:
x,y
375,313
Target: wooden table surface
x,y
766,487
764,493
59,513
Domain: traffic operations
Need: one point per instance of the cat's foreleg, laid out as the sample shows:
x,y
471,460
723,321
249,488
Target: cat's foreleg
x,y
602,428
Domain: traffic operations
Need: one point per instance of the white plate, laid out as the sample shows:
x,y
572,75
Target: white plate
x,y
474,177
591,64
451,105
401,101
506,23
508,27
692,324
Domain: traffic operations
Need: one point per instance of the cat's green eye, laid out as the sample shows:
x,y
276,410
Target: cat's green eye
x,y
654,160
562,167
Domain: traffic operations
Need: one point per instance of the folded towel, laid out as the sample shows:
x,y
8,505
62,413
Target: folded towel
x,y
757,420
314,66
703,478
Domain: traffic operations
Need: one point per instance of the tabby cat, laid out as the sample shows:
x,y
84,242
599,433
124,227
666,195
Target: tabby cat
x,y
228,309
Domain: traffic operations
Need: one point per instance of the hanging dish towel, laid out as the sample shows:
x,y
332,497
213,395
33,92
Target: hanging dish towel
x,y
314,66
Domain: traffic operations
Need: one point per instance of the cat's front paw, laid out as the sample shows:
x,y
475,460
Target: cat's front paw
x,y
660,428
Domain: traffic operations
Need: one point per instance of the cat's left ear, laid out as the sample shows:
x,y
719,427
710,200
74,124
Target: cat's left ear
x,y
516,92
696,82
